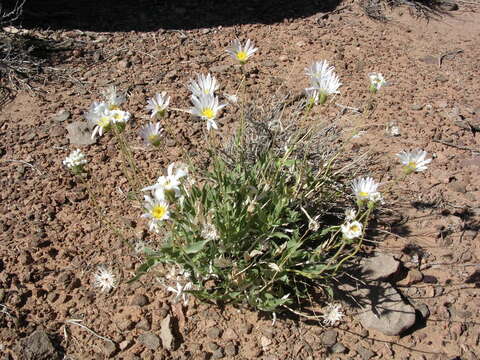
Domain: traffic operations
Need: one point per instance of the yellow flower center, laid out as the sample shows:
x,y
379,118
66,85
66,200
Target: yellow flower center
x,y
355,228
208,113
412,164
113,107
159,211
117,116
363,193
242,56
104,122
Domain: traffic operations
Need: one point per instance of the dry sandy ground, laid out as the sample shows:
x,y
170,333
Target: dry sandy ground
x,y
52,240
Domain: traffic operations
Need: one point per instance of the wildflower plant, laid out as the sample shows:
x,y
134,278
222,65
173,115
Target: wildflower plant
x,y
414,161
323,82
75,161
240,52
377,81
255,230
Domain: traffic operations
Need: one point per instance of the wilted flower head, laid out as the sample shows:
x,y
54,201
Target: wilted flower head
x,y
104,279
204,85
113,98
350,214
352,230
209,232
333,314
180,291
158,104
75,161
376,82
151,134
365,189
414,161
206,107
239,52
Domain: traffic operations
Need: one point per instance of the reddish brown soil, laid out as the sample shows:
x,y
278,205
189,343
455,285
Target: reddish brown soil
x,y
52,239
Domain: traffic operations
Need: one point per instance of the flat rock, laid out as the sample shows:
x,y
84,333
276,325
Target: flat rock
x,y
329,338
38,346
150,340
365,353
79,134
379,267
385,310
61,116
166,333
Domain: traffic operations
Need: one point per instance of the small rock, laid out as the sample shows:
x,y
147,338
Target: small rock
x,y
246,329
211,346
423,310
139,300
231,350
166,333
365,353
218,354
338,348
214,333
329,338
416,107
150,340
414,276
230,334
379,267
38,346
124,64
143,325
109,348
458,186
124,344
219,68
61,116
79,134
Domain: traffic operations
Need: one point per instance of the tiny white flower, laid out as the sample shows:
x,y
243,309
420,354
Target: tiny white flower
x,y
75,160
239,52
233,99
158,104
119,116
365,188
209,232
393,130
333,314
313,96
204,85
180,291
99,116
352,230
206,107
104,279
414,161
151,134
113,98
376,82
350,214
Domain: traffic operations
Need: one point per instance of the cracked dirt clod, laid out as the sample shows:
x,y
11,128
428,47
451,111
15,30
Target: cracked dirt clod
x,y
38,346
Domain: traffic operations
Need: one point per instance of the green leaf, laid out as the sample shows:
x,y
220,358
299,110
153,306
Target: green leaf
x,y
195,247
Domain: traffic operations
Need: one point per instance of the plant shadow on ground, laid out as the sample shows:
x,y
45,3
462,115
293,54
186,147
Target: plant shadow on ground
x,y
151,15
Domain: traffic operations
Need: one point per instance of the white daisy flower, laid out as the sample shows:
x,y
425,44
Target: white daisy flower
x,y
365,189
104,279
376,82
206,107
204,85
239,52
352,230
119,116
113,98
333,314
328,84
151,134
319,69
158,104
75,161
169,183
350,214
156,210
414,161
